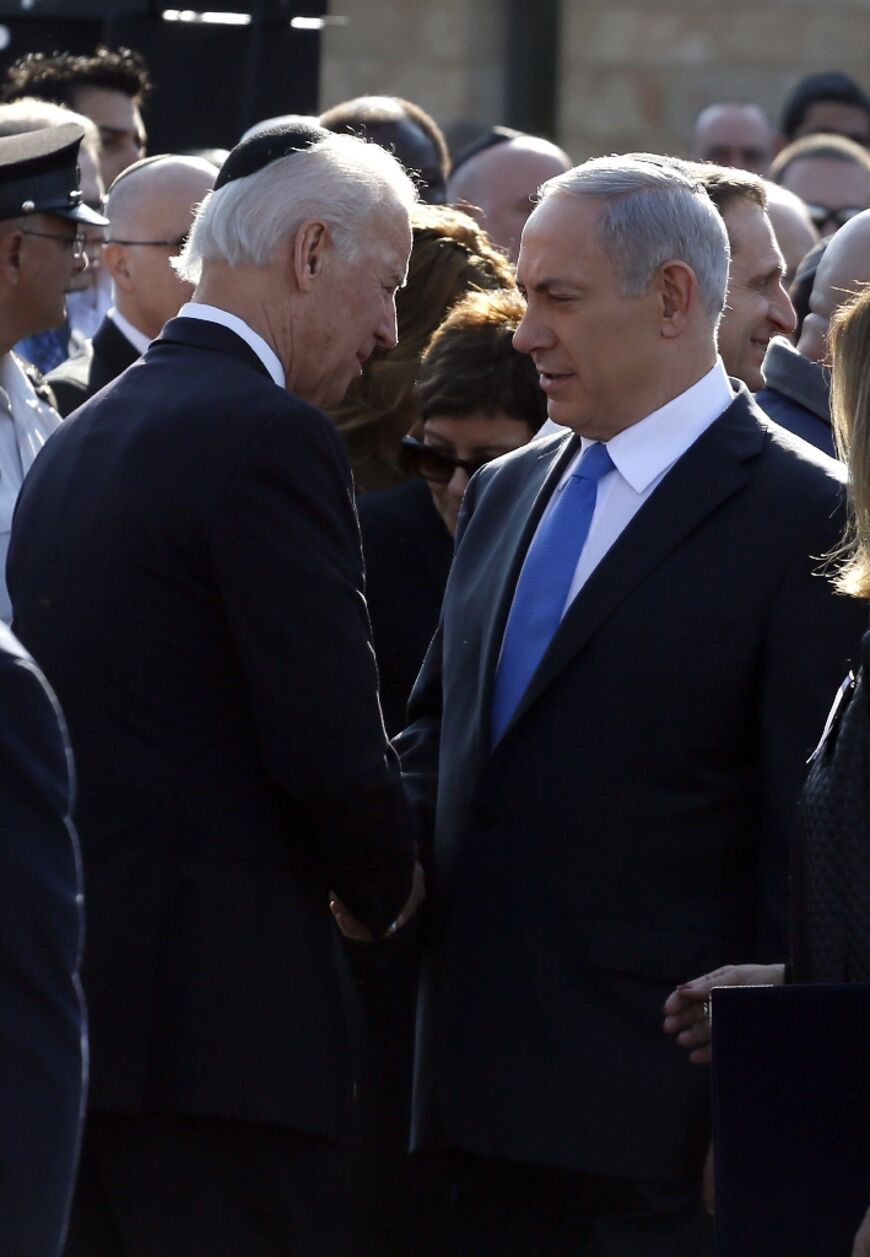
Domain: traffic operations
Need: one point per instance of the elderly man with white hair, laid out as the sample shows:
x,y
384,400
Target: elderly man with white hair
x,y
186,567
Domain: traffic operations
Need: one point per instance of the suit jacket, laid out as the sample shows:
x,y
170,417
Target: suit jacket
x,y
41,1009
407,552
631,827
96,363
186,566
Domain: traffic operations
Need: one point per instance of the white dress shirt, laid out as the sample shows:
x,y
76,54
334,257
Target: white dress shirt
x,y
213,314
26,423
642,456
137,339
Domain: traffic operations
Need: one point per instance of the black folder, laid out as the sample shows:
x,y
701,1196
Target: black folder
x,y
791,1119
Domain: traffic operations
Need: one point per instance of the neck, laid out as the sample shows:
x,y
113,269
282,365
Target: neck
x,y
247,292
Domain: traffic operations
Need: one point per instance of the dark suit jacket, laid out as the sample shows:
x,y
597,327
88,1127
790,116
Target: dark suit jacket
x,y
186,566
631,827
408,552
96,363
41,1010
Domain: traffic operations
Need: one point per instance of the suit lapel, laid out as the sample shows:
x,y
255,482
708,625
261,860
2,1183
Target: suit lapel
x,y
711,471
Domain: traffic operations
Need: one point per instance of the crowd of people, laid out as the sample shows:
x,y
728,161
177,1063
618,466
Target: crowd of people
x,y
431,566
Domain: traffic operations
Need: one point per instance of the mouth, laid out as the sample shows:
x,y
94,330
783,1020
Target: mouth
x,y
550,380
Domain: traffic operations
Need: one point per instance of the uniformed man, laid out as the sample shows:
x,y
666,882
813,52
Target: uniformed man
x,y
41,248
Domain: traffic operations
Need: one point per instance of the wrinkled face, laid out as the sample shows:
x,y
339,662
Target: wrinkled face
x,y
734,135
833,191
476,437
757,306
351,310
46,270
836,119
119,122
598,350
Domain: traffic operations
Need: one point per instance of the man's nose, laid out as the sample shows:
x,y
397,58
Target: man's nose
x,y
527,335
386,332
782,312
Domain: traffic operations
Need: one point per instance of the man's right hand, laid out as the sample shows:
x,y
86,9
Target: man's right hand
x,y
353,929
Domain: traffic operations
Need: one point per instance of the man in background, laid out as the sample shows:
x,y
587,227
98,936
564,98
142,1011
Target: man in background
x,y
829,102
733,133
404,129
830,174
109,87
150,210
496,178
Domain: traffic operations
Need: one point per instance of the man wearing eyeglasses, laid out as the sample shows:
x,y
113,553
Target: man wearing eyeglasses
x,y
150,209
831,175
41,247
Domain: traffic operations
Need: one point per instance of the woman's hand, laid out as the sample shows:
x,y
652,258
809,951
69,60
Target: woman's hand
x,y
687,1008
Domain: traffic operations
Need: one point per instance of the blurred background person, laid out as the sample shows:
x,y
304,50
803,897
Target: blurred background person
x,y
831,175
796,233
478,398
496,178
733,133
109,87
830,102
150,210
405,129
450,256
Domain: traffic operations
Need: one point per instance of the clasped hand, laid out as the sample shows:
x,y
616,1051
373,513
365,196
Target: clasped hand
x,y
354,929
686,1008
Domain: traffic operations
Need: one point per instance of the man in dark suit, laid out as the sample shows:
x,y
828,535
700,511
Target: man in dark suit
x,y
609,733
186,566
41,1009
150,209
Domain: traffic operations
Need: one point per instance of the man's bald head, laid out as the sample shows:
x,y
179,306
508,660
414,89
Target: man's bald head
x,y
150,209
843,271
734,133
497,184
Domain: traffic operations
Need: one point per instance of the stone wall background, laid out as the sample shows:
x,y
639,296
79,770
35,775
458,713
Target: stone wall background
x,y
631,74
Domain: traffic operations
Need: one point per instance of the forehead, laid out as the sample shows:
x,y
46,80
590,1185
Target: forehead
x,y
733,124
828,181
387,239
560,240
108,108
753,244
832,115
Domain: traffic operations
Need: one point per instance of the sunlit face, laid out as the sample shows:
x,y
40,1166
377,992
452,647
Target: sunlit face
x,y
598,350
351,311
476,437
757,306
119,122
833,190
46,270
734,135
92,195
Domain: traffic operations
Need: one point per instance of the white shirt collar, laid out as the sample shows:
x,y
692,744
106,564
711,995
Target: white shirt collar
x,y
137,339
648,448
213,314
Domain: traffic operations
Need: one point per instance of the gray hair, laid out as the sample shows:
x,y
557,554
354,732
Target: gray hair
x,y
655,212
341,180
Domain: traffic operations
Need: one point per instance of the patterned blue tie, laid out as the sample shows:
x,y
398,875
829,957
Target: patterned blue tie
x,y
545,580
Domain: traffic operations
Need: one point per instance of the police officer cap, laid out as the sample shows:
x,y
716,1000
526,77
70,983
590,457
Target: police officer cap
x,y
39,174
260,150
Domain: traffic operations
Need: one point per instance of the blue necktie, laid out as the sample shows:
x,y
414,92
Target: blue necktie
x,y
545,580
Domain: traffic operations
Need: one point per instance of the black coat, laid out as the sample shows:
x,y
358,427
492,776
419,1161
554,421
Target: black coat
x,y
186,566
631,828
96,363
408,552
41,1010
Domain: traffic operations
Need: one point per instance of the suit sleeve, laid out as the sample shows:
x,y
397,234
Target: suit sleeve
x,y
813,638
41,1010
288,562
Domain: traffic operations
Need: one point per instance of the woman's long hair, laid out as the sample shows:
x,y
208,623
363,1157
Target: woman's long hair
x,y
849,340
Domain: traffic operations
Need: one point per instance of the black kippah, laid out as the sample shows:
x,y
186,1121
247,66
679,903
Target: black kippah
x,y
262,149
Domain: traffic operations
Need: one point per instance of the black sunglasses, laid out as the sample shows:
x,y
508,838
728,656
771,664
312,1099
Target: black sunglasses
x,y
437,465
822,214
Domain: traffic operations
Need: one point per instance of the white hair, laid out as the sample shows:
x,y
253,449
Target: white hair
x,y
341,180
655,211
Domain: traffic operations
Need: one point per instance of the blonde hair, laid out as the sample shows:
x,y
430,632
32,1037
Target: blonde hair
x,y
849,340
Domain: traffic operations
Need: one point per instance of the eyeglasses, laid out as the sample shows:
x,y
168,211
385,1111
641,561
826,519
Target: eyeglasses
x,y
823,214
437,465
175,245
76,243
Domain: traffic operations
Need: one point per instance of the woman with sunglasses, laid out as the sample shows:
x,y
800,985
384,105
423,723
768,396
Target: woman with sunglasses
x,y
478,398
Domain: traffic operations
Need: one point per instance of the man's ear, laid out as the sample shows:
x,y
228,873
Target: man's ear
x,y
678,294
115,261
10,255
310,247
